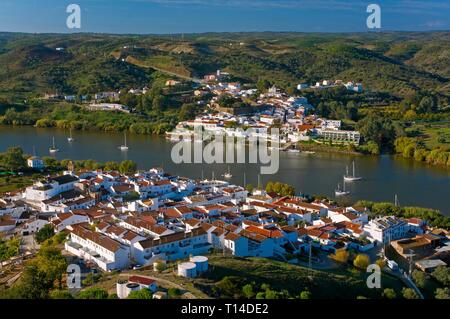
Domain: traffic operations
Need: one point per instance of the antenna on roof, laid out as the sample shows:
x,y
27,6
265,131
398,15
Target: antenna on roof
x,y
396,202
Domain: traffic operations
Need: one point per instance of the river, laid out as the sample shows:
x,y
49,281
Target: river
x,y
416,184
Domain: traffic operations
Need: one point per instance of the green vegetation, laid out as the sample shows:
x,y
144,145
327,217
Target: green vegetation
x,y
409,147
44,233
433,217
41,275
141,294
93,293
280,188
9,248
264,278
409,293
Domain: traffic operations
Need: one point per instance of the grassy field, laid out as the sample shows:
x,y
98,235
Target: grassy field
x,y
342,283
432,134
12,183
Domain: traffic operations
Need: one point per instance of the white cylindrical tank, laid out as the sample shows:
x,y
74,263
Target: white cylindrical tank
x,y
121,288
131,287
187,269
201,262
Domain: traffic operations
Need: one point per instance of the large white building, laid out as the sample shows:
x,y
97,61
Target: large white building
x,y
107,253
386,229
43,190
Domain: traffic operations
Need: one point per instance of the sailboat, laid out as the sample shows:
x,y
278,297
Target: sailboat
x,y
228,174
53,149
70,138
343,192
352,178
124,147
294,150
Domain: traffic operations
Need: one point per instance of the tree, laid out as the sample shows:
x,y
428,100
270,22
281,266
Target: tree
x,y
272,294
263,85
44,233
140,294
50,260
306,294
389,293
187,112
128,167
249,188
111,166
409,293
158,103
381,263
60,294
341,256
419,277
9,248
442,293
362,261
93,293
13,159
248,292
173,293
33,284
442,274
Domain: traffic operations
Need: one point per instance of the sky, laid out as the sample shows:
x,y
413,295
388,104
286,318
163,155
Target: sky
x,y
197,16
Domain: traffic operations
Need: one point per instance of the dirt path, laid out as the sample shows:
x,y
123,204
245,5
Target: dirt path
x,y
187,294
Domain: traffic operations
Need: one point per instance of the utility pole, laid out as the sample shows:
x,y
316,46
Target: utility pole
x,y
310,259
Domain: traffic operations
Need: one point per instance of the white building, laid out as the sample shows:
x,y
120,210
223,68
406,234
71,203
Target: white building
x,y
43,190
35,163
386,229
107,253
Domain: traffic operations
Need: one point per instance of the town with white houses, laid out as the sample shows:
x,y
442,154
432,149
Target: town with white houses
x,y
291,114
118,221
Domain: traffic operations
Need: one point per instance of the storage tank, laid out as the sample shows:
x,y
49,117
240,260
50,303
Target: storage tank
x,y
187,269
132,287
201,262
121,288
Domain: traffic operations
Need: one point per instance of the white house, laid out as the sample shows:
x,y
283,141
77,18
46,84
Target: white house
x,y
107,253
35,163
386,229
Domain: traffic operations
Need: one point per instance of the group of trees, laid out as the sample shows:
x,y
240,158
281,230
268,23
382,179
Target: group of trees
x,y
337,110
379,132
231,287
13,159
433,217
41,275
410,147
9,248
280,188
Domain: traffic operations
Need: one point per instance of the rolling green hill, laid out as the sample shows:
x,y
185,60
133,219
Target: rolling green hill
x,y
398,64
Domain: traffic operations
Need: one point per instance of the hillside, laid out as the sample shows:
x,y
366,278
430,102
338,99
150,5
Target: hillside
x,y
397,64
340,283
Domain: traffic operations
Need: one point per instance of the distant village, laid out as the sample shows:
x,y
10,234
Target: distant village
x,y
293,115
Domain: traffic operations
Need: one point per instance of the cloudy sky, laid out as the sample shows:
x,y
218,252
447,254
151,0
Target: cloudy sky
x,y
187,16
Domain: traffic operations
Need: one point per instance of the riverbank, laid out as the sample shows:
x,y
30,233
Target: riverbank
x,y
329,149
